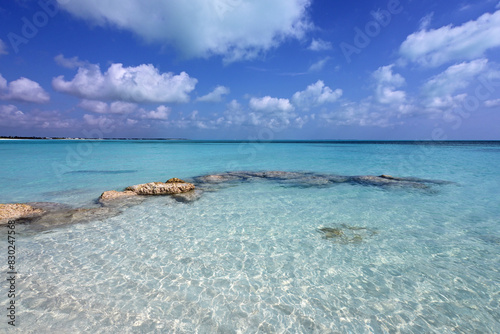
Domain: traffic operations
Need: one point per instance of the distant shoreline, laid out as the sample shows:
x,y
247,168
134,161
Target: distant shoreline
x,y
277,141
77,138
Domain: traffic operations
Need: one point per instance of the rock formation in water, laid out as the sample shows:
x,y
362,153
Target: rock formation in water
x,y
172,186
45,215
16,211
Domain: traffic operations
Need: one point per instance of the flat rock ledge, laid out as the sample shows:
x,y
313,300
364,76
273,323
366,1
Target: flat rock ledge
x,y
16,211
172,186
161,188
112,195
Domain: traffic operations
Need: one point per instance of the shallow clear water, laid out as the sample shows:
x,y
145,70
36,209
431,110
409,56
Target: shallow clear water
x,y
251,257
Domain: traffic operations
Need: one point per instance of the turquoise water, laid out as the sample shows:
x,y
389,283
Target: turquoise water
x,y
251,257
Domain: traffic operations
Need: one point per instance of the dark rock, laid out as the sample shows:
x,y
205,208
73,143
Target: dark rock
x,y
174,180
386,181
331,232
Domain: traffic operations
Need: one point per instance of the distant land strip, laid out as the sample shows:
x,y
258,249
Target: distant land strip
x,y
282,141
80,138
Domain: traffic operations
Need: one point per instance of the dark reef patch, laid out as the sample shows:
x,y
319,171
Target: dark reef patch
x,y
309,179
346,234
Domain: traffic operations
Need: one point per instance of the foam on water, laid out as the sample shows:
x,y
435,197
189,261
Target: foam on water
x,y
252,257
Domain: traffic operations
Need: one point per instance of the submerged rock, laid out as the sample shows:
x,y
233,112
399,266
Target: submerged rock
x,y
345,234
217,178
385,180
16,211
308,179
161,188
49,206
331,232
72,216
188,197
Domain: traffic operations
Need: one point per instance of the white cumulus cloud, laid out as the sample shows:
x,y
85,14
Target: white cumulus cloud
x,y
319,65
277,120
386,84
270,104
235,29
438,46
454,78
215,95
12,117
425,21
73,62
120,108
94,106
117,107
24,90
143,83
492,103
316,94
161,113
100,121
320,45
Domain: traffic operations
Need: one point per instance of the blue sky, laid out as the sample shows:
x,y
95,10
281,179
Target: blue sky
x,y
242,69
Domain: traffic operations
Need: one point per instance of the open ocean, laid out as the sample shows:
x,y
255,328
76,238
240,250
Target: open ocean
x,y
254,256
